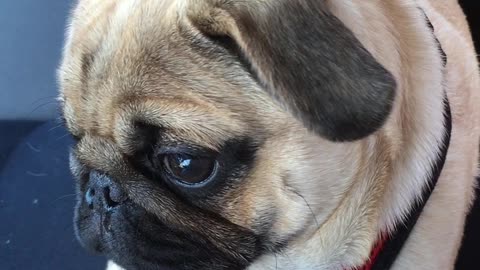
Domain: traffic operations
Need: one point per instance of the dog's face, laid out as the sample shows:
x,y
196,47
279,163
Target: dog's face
x,y
205,128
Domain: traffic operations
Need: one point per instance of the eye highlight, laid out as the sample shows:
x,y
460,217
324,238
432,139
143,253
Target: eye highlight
x,y
189,170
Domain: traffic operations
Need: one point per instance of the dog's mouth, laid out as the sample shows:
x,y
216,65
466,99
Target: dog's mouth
x,y
95,230
128,235
135,239
108,223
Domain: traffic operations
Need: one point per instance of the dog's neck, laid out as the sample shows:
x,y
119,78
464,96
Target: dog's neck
x,y
388,246
401,156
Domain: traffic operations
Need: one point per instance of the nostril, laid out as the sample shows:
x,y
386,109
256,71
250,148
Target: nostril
x,y
109,202
103,192
89,197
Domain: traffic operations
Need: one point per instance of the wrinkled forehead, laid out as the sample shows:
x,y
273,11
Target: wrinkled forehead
x,y
114,34
94,21
134,59
104,37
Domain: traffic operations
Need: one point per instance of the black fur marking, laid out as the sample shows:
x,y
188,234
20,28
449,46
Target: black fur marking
x,y
439,45
322,72
312,63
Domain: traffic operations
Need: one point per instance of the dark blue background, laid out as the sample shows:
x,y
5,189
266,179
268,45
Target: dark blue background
x,y
31,37
36,202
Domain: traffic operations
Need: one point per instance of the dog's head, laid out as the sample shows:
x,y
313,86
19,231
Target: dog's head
x,y
206,128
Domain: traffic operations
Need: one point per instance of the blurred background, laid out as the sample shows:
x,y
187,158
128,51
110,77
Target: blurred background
x,y
36,189
36,230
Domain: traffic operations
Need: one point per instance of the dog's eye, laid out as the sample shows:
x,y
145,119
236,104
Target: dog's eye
x,y
189,170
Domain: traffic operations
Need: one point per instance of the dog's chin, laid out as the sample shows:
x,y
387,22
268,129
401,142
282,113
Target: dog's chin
x,y
129,236
135,239
124,234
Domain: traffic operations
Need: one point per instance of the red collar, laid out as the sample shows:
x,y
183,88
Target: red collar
x,y
374,255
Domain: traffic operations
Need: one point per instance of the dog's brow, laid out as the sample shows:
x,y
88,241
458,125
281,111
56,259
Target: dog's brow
x,y
201,124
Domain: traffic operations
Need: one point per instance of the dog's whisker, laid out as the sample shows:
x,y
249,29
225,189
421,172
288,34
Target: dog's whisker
x,y
276,261
71,225
33,148
309,207
63,197
36,174
52,98
41,106
55,127
63,136
313,214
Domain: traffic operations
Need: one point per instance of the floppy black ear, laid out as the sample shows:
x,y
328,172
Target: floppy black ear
x,y
307,60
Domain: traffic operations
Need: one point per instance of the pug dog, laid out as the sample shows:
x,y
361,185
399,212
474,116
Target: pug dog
x,y
272,134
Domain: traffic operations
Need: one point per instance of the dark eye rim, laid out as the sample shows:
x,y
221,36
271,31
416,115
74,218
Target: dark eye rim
x,y
172,178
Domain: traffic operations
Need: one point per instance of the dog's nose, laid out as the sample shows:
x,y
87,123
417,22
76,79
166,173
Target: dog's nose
x,y
103,193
